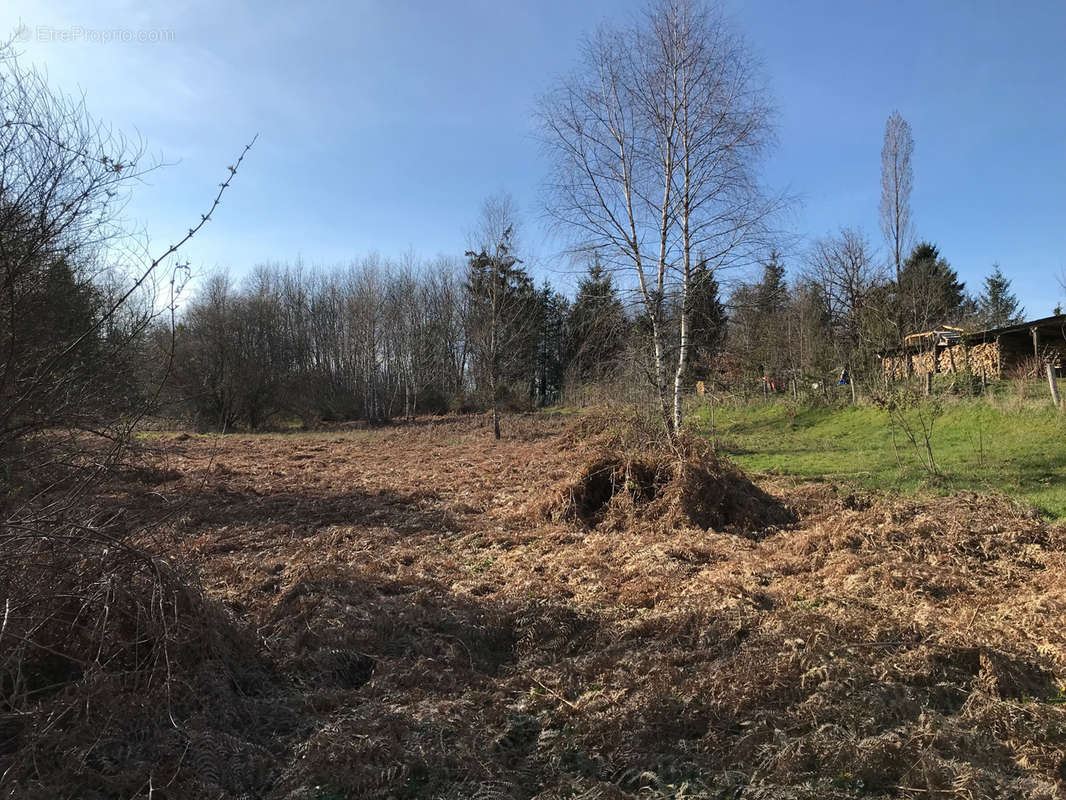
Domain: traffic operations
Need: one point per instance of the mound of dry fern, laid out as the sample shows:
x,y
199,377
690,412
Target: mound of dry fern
x,y
633,469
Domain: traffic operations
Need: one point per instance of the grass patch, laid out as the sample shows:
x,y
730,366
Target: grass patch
x,y
979,446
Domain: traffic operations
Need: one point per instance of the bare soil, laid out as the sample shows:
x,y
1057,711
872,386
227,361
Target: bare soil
x,y
411,619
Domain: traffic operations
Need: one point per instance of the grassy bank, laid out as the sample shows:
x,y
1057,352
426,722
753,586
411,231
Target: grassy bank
x,y
1016,448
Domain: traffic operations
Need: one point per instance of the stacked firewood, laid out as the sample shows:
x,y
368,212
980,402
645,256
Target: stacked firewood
x,y
923,363
984,359
951,359
895,367
980,359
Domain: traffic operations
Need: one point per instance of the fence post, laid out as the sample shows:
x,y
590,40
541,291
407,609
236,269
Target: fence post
x,y
1051,382
714,436
928,383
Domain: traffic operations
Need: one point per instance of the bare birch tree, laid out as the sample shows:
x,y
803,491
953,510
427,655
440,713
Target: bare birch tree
x,y
654,143
897,180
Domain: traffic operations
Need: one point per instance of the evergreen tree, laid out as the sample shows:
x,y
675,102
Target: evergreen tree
x,y
771,293
997,305
597,326
929,292
551,346
758,333
500,319
708,320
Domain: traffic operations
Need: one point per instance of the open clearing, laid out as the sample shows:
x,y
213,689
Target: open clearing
x,y
412,625
1004,446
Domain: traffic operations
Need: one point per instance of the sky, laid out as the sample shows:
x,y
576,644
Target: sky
x,y
383,125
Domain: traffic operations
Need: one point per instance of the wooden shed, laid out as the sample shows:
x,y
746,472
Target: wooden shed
x,y
1014,350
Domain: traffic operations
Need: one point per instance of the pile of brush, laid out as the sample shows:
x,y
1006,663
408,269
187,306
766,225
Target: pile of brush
x,y
635,471
117,674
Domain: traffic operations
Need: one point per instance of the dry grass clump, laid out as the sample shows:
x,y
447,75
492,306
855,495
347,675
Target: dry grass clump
x,y
635,470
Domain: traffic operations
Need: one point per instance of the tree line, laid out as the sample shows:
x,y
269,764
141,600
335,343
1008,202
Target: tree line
x,y
380,338
842,307
384,338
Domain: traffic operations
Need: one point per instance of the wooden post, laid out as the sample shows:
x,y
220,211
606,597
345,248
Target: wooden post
x,y
1051,382
928,383
1036,342
714,438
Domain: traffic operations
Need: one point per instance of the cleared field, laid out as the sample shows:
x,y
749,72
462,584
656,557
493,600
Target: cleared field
x,y
406,621
978,446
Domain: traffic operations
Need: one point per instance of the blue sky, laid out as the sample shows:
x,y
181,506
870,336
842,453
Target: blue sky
x,y
383,125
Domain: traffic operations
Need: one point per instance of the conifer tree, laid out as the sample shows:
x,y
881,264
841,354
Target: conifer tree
x,y
597,325
997,305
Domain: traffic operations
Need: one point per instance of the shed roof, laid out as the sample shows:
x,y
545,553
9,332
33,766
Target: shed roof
x,y
1054,321
947,334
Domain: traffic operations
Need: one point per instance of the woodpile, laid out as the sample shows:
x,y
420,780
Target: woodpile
x,y
923,363
950,359
984,359
980,359
1020,351
895,367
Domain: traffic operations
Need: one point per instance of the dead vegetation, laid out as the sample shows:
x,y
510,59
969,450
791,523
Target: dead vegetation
x,y
634,471
381,615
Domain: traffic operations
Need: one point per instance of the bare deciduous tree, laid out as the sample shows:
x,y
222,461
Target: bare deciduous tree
x,y
77,290
843,266
897,179
654,143
371,339
76,299
844,270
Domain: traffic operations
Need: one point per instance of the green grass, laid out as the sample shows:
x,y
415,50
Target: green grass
x,y
1015,448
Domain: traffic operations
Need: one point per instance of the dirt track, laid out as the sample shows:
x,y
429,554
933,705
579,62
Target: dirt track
x,y
424,632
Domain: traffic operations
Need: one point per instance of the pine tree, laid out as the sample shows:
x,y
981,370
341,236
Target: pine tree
x,y
998,306
929,292
758,327
551,346
597,325
708,321
501,316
